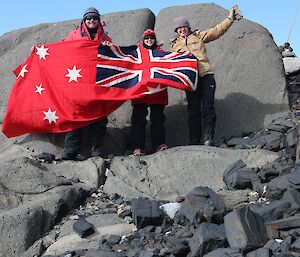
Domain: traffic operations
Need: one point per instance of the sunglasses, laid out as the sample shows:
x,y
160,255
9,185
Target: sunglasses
x,y
149,37
90,17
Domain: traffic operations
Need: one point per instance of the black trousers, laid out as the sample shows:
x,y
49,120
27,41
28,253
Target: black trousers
x,y
73,138
201,110
139,121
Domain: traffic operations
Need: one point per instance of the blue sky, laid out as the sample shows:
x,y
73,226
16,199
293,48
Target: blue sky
x,y
275,15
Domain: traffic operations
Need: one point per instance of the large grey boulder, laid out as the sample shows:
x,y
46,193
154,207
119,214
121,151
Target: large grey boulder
x,y
248,69
176,171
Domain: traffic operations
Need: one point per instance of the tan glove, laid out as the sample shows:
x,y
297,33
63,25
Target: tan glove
x,y
235,13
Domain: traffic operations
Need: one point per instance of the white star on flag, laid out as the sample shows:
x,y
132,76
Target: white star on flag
x,y
50,116
39,89
153,90
42,52
22,72
73,74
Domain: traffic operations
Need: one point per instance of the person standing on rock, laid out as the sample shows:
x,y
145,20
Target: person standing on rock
x,y
156,102
201,110
90,28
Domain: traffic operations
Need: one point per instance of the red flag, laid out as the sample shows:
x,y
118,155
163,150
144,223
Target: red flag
x,y
60,86
55,90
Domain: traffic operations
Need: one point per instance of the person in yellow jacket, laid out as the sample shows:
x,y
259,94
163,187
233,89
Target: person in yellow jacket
x,y
201,102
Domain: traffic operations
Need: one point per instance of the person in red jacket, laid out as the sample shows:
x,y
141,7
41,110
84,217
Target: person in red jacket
x,y
90,29
156,102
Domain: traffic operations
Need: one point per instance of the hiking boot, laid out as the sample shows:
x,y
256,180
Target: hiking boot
x,y
96,152
68,156
138,152
161,148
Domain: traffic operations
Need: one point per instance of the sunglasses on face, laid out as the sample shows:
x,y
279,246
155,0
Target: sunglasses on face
x,y
149,37
90,17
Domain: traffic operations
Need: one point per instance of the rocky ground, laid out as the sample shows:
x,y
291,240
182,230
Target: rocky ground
x,y
252,211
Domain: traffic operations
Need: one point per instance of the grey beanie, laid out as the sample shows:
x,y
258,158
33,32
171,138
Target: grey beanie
x,y
91,11
181,22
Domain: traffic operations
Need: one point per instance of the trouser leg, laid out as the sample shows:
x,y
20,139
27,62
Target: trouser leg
x,y
157,118
208,87
138,124
194,114
72,143
97,131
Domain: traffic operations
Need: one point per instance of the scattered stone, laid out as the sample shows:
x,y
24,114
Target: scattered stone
x,y
206,238
273,227
245,229
238,176
261,252
201,204
222,252
146,212
46,157
113,239
273,211
83,228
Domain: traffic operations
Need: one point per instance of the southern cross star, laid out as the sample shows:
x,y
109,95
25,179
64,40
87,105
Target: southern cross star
x,y
39,89
73,74
153,90
50,116
42,52
22,72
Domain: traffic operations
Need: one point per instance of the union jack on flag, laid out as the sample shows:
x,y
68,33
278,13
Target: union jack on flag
x,y
134,70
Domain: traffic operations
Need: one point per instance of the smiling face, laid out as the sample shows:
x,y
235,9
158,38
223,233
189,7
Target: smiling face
x,y
149,41
92,22
183,31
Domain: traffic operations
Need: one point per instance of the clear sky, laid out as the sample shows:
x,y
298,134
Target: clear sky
x,y
275,15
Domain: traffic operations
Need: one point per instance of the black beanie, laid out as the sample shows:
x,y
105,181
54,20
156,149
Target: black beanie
x,y
91,11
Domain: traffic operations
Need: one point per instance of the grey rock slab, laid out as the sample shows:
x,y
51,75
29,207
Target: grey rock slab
x,y
20,227
248,68
177,170
207,237
98,220
28,176
90,171
245,229
73,241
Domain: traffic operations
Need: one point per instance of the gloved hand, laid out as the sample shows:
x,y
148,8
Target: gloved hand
x,y
235,13
231,15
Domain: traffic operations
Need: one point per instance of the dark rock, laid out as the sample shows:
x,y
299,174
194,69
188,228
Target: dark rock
x,y
238,176
207,237
245,229
296,245
273,227
261,252
83,228
146,212
222,252
272,211
47,157
273,245
100,253
292,196
276,187
113,239
201,204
